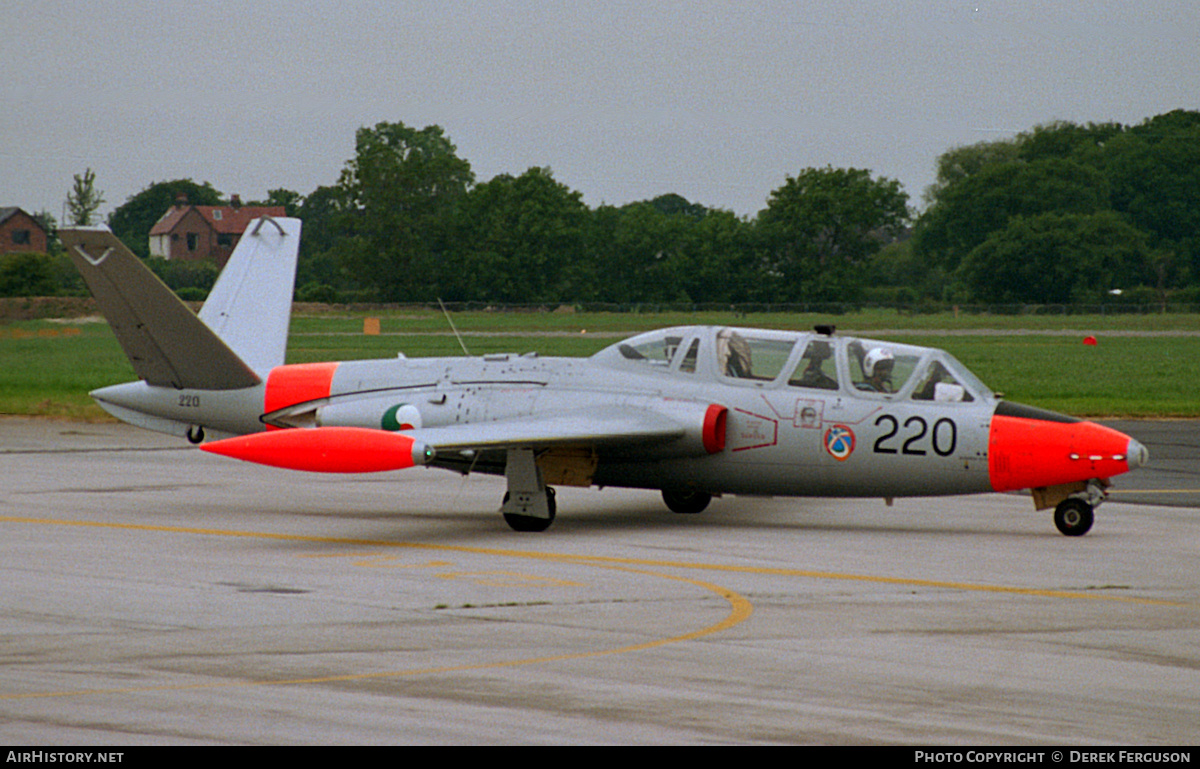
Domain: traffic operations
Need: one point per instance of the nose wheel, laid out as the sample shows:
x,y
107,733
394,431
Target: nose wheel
x,y
1073,517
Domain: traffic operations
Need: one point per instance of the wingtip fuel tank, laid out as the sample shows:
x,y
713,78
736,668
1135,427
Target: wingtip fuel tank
x,y
326,449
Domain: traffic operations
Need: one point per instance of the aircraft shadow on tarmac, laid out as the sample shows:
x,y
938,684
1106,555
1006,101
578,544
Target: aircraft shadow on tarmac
x,y
472,522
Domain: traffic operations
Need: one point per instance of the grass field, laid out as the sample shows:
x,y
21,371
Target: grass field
x,y
48,367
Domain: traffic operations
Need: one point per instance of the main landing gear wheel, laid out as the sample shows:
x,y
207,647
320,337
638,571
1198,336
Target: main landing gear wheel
x,y
529,522
687,502
1073,517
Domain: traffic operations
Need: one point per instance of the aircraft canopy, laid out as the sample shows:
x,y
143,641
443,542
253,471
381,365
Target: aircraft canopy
x,y
806,361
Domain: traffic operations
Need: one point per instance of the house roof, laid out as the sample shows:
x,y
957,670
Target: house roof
x,y
223,219
7,212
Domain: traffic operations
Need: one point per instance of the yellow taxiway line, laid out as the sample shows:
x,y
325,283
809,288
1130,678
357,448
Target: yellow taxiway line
x,y
740,608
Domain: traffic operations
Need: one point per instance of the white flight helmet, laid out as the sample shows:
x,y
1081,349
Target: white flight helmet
x,y
876,356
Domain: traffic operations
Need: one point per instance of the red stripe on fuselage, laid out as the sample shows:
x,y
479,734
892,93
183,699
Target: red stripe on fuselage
x,y
1026,453
297,383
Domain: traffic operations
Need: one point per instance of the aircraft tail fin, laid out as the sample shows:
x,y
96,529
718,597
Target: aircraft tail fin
x,y
163,339
250,307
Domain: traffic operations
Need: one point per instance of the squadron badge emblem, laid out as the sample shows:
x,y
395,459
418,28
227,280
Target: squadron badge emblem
x,y
839,442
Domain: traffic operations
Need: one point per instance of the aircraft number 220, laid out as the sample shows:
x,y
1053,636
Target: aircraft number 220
x,y
917,435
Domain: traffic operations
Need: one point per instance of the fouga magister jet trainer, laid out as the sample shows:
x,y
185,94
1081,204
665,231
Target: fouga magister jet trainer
x,y
692,411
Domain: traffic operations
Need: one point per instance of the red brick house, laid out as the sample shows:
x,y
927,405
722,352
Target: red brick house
x,y
204,232
20,232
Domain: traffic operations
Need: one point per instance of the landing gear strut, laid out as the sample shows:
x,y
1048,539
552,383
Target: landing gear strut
x,y
528,504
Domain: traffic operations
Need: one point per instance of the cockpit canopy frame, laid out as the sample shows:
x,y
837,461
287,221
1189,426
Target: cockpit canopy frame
x,y
774,359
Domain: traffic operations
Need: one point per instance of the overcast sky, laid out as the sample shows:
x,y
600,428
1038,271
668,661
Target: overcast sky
x,y
716,101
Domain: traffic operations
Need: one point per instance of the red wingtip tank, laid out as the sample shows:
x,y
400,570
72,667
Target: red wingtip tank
x,y
326,449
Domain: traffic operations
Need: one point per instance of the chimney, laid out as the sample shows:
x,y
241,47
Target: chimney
x,y
235,201
181,199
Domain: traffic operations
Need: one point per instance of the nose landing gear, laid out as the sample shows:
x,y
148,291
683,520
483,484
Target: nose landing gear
x,y
1073,517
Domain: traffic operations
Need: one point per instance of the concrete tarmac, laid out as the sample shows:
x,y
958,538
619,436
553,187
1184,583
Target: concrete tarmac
x,y
1173,475
157,594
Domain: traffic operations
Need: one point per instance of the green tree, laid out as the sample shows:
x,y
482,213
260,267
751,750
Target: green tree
x,y
662,250
1149,174
198,276
717,261
677,205
897,276
291,201
84,199
330,219
519,240
631,248
328,214
956,165
27,274
970,210
824,223
133,219
404,185
1066,140
1154,172
1056,258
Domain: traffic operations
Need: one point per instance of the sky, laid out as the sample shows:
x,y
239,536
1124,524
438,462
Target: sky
x,y
719,102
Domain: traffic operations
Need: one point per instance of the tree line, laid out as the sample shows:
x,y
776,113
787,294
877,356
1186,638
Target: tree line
x,y
407,222
1063,213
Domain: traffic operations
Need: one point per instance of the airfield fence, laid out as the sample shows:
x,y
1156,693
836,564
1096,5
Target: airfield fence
x,y
811,308
32,308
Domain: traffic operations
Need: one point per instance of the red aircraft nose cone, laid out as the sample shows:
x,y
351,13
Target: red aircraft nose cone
x,y
1031,448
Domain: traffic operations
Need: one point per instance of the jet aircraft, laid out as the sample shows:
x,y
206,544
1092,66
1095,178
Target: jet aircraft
x,y
692,411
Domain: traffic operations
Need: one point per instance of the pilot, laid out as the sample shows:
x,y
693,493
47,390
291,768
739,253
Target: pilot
x,y
733,354
942,387
877,367
812,376
936,373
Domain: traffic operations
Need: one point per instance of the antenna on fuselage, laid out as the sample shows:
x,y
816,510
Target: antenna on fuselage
x,y
457,335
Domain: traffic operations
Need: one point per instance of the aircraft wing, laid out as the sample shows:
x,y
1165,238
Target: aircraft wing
x,y
358,449
166,343
589,427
